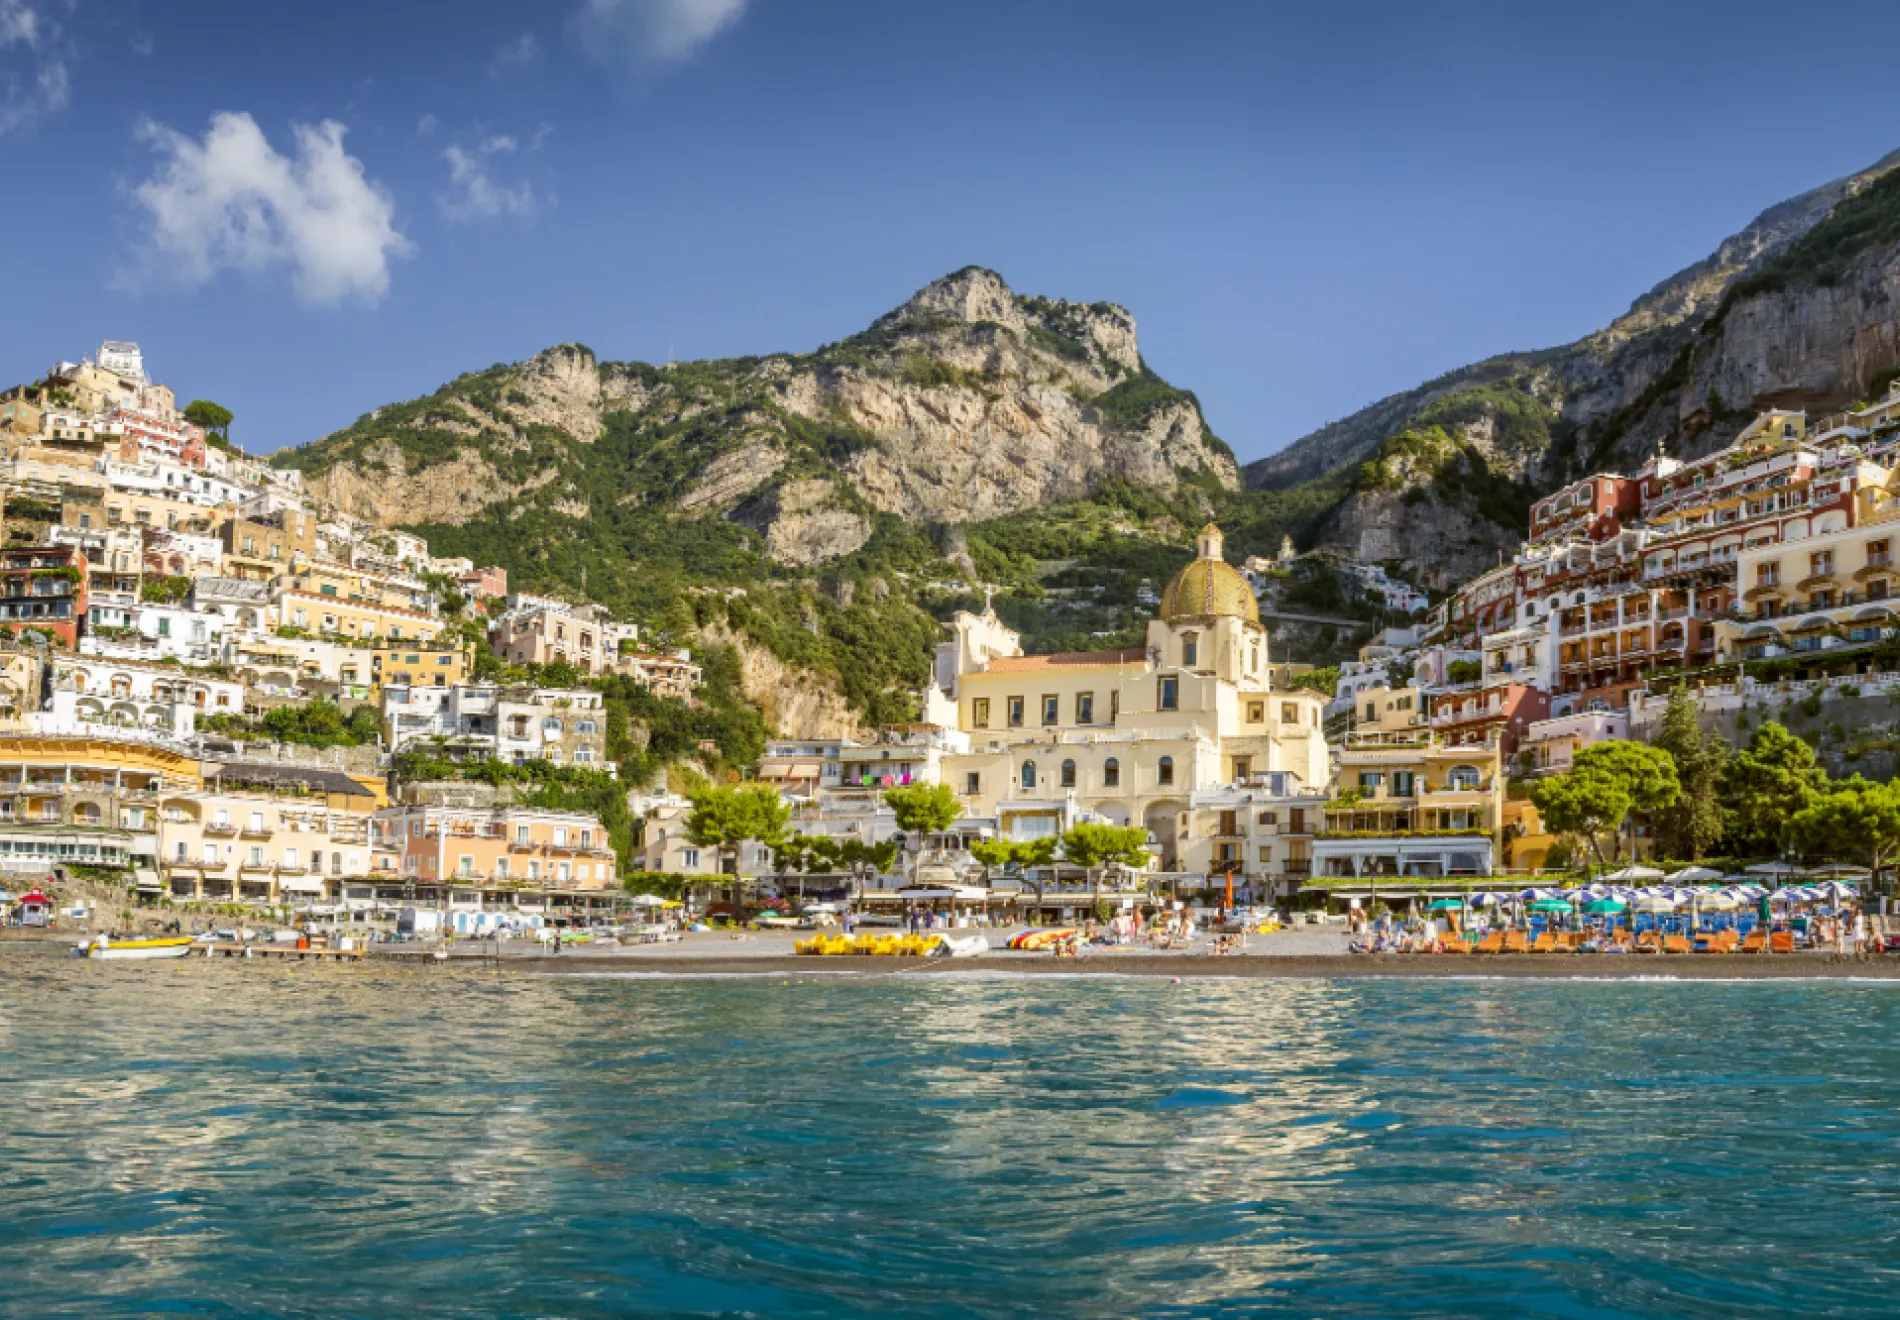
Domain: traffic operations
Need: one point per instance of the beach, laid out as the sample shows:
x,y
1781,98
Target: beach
x,y
1303,953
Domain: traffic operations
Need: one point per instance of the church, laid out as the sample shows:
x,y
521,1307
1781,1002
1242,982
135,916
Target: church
x,y
1127,735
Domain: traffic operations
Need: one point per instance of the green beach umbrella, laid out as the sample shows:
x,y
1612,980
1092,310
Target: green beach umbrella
x,y
1607,907
1551,905
1446,905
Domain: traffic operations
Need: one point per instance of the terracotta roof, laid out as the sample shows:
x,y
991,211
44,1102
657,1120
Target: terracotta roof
x,y
1016,664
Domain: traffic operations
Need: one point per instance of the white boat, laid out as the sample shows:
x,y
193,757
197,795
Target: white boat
x,y
173,946
961,946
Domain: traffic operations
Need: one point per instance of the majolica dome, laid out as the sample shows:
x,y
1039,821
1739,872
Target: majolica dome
x,y
1209,587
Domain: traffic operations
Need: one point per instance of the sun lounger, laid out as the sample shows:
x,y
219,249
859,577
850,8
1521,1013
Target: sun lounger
x,y
1570,941
1454,944
1514,942
1649,941
1545,943
1492,943
1781,941
1755,942
1677,944
1723,941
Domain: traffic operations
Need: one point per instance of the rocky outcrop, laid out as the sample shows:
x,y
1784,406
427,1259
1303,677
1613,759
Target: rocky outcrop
x,y
795,702
559,388
804,524
1435,543
382,489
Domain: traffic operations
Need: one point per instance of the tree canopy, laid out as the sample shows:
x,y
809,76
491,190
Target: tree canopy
x,y
214,417
725,816
1608,781
1856,817
1765,786
924,808
1694,823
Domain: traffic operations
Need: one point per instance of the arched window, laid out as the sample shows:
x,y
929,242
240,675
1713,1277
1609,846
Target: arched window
x,y
1112,773
551,724
1029,774
1465,777
1165,770
1068,774
1190,649
585,726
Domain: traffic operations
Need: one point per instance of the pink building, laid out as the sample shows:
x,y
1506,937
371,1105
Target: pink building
x,y
484,583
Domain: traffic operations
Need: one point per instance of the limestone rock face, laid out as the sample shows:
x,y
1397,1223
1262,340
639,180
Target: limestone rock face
x,y
795,702
967,402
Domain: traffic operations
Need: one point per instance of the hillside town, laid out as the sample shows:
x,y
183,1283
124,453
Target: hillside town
x,y
172,606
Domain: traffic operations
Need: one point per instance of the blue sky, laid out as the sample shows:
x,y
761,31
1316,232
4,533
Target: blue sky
x,y
305,211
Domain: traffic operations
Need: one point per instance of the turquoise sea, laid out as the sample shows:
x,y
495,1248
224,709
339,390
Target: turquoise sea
x,y
237,1140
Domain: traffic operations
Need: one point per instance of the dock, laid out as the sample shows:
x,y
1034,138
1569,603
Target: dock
x,y
282,952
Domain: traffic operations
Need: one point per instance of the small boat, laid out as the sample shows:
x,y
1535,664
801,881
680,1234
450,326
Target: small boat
x,y
960,946
104,947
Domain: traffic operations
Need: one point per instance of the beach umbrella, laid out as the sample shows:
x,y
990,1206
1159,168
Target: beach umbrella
x,y
1695,875
1835,871
1717,901
1779,870
1539,895
1445,905
1606,907
1635,873
1835,889
1655,904
1552,906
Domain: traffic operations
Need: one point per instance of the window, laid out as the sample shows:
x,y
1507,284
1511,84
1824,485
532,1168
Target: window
x,y
1289,713
1190,649
560,836
1112,773
211,854
1243,767
1029,774
1170,693
1401,783
257,821
1015,712
165,628
1256,712
551,725
1165,771
1085,708
980,712
501,868
1068,774
688,857
1369,781
1268,819
581,726
1372,711
522,838
257,854
972,784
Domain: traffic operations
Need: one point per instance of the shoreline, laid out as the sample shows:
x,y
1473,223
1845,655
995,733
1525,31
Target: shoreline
x,y
1305,967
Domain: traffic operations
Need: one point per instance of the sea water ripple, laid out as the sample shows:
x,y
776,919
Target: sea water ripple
x,y
234,1140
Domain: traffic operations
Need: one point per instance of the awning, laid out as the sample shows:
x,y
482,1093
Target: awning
x,y
301,884
803,770
147,880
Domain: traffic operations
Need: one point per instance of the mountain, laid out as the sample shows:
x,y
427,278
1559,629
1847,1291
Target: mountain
x,y
967,402
1797,309
820,511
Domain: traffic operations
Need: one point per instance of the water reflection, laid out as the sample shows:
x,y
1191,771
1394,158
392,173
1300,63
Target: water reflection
x,y
348,1141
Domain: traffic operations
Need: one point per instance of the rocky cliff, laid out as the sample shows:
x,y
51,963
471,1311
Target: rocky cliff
x,y
1797,309
968,402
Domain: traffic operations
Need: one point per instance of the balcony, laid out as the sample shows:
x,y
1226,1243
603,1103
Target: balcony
x,y
254,832
221,830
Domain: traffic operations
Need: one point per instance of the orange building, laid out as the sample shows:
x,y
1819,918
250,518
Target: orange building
x,y
498,846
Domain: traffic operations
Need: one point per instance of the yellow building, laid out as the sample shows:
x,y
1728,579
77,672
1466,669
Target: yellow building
x,y
86,801
330,615
1834,587
266,833
1406,806
1128,734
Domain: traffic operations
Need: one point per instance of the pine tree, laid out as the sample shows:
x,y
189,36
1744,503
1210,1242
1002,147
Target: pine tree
x,y
1695,823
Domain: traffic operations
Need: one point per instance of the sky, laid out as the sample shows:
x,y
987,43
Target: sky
x,y
305,211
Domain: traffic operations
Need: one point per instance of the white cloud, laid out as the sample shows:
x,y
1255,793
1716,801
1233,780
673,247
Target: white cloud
x,y
33,81
652,31
426,125
233,202
523,52
473,193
